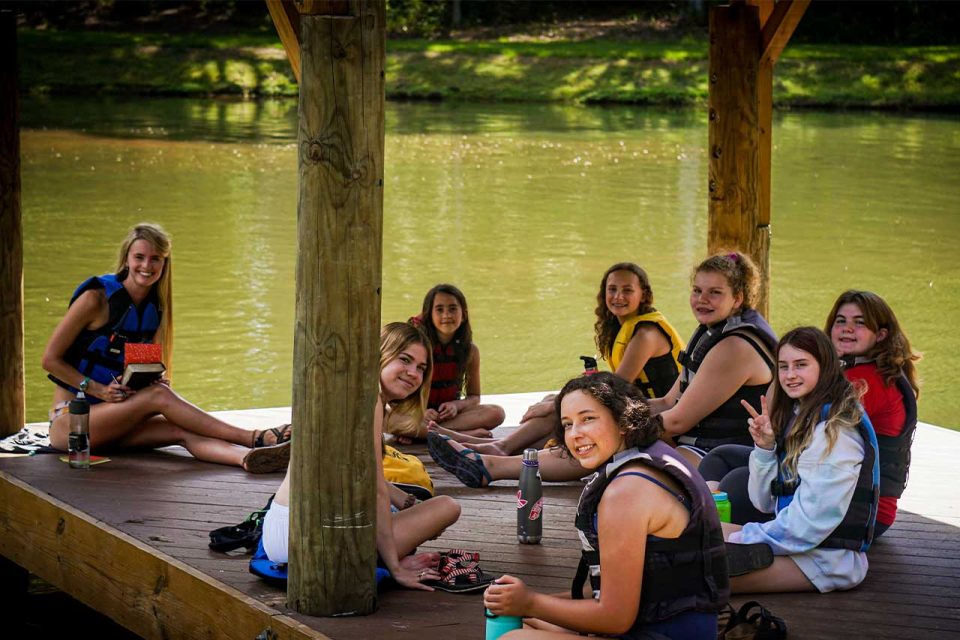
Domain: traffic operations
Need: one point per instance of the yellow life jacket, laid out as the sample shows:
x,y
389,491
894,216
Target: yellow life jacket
x,y
405,469
660,372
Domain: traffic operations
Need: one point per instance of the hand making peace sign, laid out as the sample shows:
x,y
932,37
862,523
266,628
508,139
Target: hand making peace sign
x,y
760,428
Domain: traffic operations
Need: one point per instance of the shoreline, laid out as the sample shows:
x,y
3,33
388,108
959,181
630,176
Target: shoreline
x,y
597,73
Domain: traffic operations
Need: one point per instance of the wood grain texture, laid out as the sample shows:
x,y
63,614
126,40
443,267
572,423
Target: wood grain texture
x,y
168,503
286,20
734,139
149,593
12,398
336,337
779,28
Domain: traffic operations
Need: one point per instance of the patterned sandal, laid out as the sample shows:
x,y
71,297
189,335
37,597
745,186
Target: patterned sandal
x,y
466,465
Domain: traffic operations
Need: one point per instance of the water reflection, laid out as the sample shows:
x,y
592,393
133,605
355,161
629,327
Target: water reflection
x,y
521,206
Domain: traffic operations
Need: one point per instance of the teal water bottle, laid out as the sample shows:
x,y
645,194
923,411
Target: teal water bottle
x,y
723,505
499,625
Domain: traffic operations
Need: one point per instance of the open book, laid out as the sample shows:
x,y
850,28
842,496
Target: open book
x,y
144,365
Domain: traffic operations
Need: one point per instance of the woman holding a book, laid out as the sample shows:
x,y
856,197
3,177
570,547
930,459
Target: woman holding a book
x,y
133,305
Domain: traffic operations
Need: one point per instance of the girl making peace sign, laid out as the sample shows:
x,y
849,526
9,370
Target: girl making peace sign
x,y
813,465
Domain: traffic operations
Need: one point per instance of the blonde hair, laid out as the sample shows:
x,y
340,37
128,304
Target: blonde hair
x,y
395,337
741,273
160,239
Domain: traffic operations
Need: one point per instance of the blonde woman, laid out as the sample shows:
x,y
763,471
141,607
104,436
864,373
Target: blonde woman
x,y
85,353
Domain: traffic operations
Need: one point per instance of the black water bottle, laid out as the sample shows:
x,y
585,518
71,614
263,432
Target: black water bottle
x,y
78,441
589,365
530,500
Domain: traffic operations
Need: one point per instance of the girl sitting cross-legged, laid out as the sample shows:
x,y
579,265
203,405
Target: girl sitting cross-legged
x,y
636,340
404,376
456,369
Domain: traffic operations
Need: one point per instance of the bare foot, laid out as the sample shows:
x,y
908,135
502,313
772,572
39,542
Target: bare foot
x,y
459,436
426,560
478,433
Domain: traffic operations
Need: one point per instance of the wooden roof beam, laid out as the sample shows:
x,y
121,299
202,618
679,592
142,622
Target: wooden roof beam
x,y
286,19
778,28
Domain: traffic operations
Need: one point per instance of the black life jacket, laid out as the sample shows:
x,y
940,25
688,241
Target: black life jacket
x,y
855,531
894,451
688,573
99,353
727,424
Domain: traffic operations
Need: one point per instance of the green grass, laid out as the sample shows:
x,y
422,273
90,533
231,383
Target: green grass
x,y
658,72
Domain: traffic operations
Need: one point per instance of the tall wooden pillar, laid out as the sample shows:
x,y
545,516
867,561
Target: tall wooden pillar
x,y
336,341
734,137
12,411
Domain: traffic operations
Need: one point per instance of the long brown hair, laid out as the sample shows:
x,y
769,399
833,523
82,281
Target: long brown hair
x,y
832,387
160,239
607,326
462,341
893,354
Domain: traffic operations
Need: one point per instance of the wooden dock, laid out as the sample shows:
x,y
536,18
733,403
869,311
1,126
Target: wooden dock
x,y
129,538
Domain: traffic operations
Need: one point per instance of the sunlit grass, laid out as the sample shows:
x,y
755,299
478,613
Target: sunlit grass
x,y
647,72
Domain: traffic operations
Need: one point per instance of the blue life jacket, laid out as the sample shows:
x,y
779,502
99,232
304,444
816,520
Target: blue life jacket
x,y
276,572
855,531
99,353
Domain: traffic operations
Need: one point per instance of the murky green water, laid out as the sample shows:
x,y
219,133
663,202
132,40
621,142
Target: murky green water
x,y
522,206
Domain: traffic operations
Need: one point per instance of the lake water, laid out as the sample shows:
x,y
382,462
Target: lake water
x,y
522,206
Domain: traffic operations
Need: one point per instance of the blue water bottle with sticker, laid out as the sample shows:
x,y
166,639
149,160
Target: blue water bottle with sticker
x,y
499,625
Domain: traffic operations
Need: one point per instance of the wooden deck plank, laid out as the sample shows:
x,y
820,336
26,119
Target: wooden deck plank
x,y
166,504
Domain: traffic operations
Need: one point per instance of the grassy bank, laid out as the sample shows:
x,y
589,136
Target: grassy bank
x,y
595,71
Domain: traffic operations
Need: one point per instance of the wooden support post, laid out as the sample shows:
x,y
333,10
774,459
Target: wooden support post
x,y
734,142
336,340
12,408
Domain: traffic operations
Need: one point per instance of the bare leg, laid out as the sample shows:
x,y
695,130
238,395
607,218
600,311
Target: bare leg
x,y
553,467
533,433
782,576
422,522
111,422
482,417
159,432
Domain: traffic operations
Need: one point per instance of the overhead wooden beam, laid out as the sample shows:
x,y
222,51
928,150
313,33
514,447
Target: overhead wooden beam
x,y
333,514
12,396
286,19
780,27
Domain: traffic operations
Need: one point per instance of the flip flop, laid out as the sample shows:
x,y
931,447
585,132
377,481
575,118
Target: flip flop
x,y
468,470
281,434
267,459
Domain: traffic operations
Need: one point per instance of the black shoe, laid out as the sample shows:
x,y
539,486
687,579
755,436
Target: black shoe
x,y
746,558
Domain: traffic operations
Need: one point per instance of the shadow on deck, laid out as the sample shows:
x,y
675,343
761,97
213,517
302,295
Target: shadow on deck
x,y
129,538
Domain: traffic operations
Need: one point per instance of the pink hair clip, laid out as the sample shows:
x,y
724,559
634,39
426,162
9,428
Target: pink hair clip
x,y
734,256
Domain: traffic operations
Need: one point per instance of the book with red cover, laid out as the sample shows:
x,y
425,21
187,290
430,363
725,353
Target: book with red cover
x,y
143,364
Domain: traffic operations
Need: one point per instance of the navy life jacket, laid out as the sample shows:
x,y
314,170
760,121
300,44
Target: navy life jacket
x,y
894,451
727,424
855,530
688,573
99,353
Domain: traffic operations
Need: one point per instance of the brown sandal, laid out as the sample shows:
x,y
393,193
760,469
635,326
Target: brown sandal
x,y
267,459
281,434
